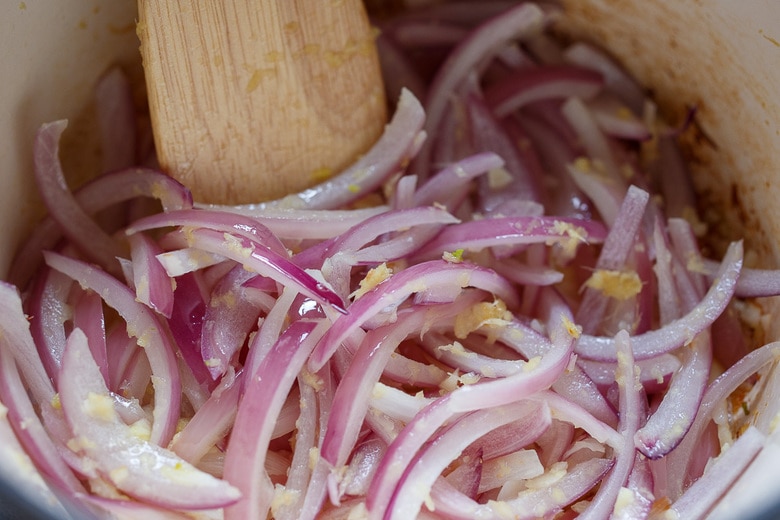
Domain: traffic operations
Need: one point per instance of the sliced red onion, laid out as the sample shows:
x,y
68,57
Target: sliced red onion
x,y
318,484
531,503
304,224
116,120
398,288
630,390
63,207
388,413
565,410
358,237
481,44
636,499
502,231
618,247
686,245
414,486
576,385
720,475
540,83
229,318
263,261
680,331
675,181
94,196
300,469
715,393
186,322
27,425
752,283
604,196
395,403
363,466
415,227
654,373
474,397
270,330
455,355
264,395
487,134
139,468
48,304
556,153
216,220
753,490
522,464
18,342
143,324
187,260
666,427
120,350
526,274
616,79
88,316
351,400
669,304
597,146
616,120
153,286
438,190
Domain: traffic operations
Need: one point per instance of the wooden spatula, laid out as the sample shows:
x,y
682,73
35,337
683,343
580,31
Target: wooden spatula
x,y
254,99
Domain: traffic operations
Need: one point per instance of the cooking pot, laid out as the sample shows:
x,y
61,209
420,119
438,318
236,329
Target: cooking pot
x,y
720,56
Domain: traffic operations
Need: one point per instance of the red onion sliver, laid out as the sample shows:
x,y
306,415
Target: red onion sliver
x,y
263,261
88,316
143,324
350,402
670,422
503,231
474,397
31,433
116,120
397,288
153,287
229,318
415,484
530,85
679,331
481,44
94,196
63,207
139,468
264,396
712,487
216,220
630,390
210,423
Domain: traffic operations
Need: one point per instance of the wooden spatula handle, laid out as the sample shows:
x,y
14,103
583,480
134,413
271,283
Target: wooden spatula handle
x,y
254,99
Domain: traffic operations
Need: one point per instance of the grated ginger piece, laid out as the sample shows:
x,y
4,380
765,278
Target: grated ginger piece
x,y
373,278
481,314
620,285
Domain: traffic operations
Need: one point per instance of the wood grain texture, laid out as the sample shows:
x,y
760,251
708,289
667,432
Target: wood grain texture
x,y
254,99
